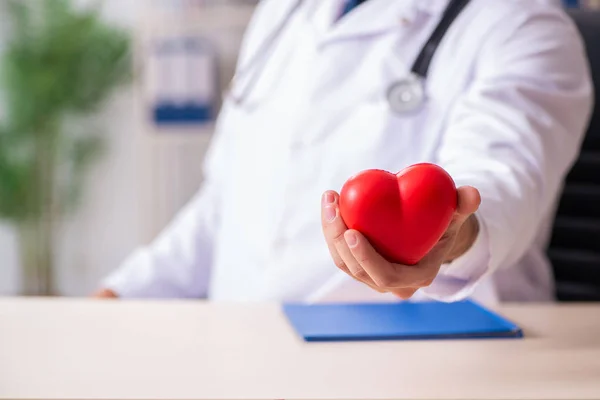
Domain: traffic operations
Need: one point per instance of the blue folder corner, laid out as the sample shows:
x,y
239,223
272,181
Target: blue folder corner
x,y
398,321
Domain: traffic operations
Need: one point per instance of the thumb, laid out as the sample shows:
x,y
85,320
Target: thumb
x,y
469,200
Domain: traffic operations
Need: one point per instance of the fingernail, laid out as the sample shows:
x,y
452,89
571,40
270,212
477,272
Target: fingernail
x,y
351,239
330,213
328,198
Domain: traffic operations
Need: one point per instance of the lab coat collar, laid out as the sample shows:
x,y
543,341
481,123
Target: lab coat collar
x,y
375,17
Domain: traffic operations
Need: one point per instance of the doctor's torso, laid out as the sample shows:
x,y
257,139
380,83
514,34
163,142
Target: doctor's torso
x,y
318,113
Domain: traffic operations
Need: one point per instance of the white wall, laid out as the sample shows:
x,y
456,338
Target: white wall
x,y
9,271
107,227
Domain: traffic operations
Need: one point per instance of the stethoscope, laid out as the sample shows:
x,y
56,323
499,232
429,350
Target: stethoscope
x,y
404,96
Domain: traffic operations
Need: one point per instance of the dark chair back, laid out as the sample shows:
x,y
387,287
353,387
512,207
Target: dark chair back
x,y
575,245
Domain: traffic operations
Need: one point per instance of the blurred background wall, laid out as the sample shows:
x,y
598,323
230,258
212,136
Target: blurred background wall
x,y
148,172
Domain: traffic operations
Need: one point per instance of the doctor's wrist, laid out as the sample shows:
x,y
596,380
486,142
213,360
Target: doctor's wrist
x,y
105,294
465,238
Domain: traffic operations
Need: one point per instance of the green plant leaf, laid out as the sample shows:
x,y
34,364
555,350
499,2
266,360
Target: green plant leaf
x,y
81,156
59,62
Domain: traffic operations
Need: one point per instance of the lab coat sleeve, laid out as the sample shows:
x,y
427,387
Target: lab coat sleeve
x,y
514,135
177,263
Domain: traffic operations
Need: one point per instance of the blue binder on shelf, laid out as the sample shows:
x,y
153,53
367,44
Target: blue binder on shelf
x,y
398,321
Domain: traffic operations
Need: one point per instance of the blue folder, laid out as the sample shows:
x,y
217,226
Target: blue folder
x,y
398,321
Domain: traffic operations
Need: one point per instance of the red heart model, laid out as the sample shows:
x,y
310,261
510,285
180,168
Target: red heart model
x,y
404,215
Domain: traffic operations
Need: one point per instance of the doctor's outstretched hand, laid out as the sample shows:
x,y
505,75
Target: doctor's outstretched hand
x,y
353,254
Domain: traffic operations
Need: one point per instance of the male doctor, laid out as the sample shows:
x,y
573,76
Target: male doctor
x,y
498,93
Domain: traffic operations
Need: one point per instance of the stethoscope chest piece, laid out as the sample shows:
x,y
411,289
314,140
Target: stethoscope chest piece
x,y
406,95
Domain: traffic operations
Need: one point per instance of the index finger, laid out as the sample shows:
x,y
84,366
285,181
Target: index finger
x,y
333,230
385,274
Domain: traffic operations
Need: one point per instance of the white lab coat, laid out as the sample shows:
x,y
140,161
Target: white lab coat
x,y
509,97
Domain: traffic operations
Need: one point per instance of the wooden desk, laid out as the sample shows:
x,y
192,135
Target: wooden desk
x,y
67,349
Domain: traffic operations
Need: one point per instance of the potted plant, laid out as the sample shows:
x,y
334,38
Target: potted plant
x,y
60,63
